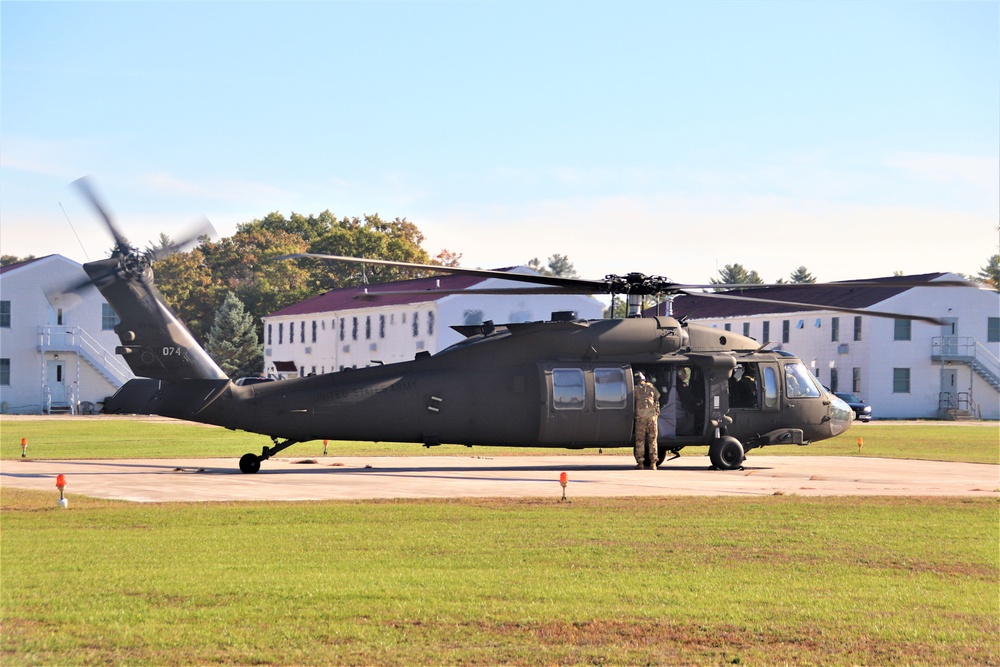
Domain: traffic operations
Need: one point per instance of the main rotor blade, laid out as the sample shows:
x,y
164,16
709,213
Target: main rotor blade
x,y
202,227
814,306
590,286
83,184
375,295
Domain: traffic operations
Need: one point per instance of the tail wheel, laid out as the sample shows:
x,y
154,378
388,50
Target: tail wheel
x,y
249,463
726,453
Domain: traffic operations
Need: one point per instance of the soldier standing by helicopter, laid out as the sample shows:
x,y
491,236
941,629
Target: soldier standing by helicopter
x,y
647,409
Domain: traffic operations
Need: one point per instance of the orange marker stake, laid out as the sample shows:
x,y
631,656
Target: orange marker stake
x,y
861,443
24,448
61,484
563,479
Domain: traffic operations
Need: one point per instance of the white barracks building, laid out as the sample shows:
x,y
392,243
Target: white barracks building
x,y
336,331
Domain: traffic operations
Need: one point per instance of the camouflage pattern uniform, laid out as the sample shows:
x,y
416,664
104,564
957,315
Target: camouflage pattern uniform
x,y
647,408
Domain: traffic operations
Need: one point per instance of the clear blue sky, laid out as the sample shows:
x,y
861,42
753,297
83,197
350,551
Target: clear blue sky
x,y
855,138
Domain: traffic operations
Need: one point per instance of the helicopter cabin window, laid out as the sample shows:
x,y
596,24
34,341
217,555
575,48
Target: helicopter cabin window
x,y
568,389
799,382
610,390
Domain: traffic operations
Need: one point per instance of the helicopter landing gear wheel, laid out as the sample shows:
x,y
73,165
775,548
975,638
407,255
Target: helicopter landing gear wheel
x,y
249,464
726,453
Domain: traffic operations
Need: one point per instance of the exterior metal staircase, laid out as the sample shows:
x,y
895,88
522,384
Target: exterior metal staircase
x,y
76,341
965,350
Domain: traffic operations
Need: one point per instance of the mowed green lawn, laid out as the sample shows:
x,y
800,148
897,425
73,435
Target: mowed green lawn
x,y
90,437
717,581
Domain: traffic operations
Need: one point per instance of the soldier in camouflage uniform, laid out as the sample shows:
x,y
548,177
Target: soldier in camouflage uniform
x,y
647,409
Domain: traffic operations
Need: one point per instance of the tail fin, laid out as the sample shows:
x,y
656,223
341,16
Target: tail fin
x,y
155,344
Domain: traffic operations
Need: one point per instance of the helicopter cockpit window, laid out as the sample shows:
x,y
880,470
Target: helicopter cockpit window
x,y
799,382
568,389
770,387
610,390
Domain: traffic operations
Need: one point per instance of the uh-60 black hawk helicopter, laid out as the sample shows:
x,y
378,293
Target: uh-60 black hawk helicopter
x,y
564,383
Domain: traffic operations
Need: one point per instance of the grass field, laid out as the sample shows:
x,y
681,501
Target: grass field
x,y
720,581
708,581
89,437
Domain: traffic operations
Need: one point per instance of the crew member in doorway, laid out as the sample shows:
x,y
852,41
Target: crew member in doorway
x,y
647,408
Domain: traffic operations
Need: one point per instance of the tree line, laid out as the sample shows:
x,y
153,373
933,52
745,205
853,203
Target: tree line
x,y
222,288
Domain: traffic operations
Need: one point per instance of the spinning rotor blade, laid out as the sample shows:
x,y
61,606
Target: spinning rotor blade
x,y
83,184
201,228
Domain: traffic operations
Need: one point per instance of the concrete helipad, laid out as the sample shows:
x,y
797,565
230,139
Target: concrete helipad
x,y
349,478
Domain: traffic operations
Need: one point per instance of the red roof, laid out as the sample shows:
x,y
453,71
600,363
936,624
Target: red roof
x,y
343,299
18,265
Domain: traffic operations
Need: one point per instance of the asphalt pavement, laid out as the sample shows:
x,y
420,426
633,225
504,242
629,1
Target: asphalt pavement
x,y
354,478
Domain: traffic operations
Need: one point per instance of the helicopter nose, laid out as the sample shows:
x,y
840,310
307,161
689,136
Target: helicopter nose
x,y
841,415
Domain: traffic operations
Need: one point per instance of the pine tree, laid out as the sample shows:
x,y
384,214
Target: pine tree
x,y
232,342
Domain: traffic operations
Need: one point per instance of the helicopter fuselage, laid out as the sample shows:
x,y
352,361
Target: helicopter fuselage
x,y
544,384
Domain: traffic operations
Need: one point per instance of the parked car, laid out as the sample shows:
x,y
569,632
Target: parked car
x,y
862,411
247,381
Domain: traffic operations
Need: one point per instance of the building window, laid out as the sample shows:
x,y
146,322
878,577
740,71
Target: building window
x,y
785,331
993,330
746,329
109,318
269,326
354,328
834,380
430,323
342,327
5,370
368,327
902,330
473,317
766,333
857,327
856,380
4,314
834,329
415,325
314,335
728,326
291,332
302,332
901,380
381,326
281,333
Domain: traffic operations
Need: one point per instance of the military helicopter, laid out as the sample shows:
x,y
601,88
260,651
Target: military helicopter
x,y
563,383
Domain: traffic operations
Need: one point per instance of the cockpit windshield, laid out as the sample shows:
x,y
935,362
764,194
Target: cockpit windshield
x,y
800,383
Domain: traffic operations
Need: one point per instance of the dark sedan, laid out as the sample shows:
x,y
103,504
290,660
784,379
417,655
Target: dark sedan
x,y
862,411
